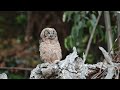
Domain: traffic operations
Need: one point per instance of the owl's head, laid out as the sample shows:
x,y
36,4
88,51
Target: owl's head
x,y
49,33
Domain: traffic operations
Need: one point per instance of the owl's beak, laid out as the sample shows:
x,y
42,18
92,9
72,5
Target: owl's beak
x,y
51,37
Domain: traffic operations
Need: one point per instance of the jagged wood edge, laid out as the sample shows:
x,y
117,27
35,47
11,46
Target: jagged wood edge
x,y
74,67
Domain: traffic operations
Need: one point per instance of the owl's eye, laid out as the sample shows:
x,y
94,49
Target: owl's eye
x,y
53,32
48,32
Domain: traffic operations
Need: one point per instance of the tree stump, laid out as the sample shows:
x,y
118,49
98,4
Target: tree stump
x,y
74,67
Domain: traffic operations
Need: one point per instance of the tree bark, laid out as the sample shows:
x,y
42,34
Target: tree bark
x,y
118,25
108,31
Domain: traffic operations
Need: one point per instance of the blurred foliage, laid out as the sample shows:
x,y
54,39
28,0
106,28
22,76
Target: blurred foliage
x,y
16,76
21,19
13,50
14,53
82,26
10,23
12,75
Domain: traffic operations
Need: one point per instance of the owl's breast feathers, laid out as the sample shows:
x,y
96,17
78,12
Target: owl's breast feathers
x,y
50,51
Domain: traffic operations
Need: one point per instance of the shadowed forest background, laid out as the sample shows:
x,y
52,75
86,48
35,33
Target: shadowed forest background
x,y
20,30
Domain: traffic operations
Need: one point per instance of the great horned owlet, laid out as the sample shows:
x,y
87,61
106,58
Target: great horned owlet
x,y
50,50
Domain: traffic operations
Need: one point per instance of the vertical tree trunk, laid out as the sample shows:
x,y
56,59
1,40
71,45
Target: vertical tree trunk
x,y
118,25
108,31
29,26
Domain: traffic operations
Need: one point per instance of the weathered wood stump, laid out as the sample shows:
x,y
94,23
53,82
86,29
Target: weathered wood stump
x,y
3,76
74,67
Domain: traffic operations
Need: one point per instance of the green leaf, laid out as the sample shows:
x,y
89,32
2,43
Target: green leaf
x,y
71,42
85,39
21,19
90,29
66,43
93,18
87,12
88,24
75,32
92,23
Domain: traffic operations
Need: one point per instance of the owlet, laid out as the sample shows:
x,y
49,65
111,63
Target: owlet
x,y
50,50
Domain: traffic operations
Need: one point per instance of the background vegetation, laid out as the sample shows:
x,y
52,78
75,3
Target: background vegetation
x,y
19,36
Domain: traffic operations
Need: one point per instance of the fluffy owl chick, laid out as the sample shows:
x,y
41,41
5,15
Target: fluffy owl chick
x,y
50,50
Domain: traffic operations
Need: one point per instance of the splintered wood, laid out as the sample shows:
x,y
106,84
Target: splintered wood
x,y
3,76
74,67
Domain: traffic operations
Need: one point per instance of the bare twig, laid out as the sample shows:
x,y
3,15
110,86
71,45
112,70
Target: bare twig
x,y
15,68
93,31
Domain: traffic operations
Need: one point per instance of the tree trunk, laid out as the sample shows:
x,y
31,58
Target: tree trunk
x,y
118,25
108,31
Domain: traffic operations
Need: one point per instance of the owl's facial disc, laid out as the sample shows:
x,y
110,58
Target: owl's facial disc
x,y
52,34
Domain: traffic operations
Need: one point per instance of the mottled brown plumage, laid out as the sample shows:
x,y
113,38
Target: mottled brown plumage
x,y
50,50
